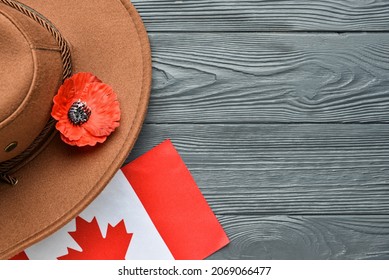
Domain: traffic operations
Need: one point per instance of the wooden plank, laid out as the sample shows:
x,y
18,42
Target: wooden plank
x,y
263,15
257,78
283,169
305,237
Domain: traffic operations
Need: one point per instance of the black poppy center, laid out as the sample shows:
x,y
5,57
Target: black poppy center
x,y
79,113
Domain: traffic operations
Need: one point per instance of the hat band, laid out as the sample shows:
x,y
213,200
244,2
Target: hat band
x,y
18,161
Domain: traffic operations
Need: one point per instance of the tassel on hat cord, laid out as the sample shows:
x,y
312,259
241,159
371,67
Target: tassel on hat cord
x,y
8,179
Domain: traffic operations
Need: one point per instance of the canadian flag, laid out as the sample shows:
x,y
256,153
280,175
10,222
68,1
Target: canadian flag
x,y
151,209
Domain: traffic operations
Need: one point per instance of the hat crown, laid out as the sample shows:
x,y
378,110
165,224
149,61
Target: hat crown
x,y
30,74
16,68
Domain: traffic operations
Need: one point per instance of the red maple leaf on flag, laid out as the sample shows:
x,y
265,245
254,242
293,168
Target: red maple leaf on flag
x,y
20,257
94,246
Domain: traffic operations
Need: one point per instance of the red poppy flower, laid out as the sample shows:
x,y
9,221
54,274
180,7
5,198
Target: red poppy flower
x,y
86,109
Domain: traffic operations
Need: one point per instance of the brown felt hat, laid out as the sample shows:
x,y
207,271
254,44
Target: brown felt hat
x,y
42,42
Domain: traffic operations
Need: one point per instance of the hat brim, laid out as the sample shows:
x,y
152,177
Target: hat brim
x,y
108,39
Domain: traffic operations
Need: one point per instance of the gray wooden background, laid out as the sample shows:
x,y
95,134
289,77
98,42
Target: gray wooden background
x,y
280,110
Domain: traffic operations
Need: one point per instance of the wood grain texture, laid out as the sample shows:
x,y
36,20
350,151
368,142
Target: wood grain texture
x,y
279,108
264,15
283,169
257,78
305,237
